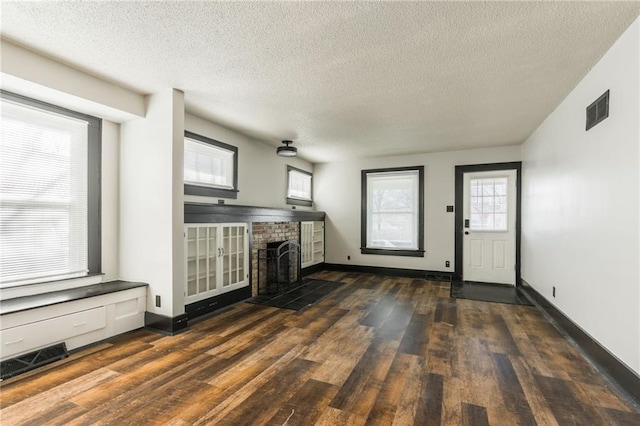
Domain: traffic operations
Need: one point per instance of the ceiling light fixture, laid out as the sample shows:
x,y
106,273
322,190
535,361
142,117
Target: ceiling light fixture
x,y
287,151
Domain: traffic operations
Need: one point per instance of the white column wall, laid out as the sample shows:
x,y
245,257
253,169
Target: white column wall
x,y
151,201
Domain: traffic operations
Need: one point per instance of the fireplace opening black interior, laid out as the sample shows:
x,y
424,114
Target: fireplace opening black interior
x,y
279,267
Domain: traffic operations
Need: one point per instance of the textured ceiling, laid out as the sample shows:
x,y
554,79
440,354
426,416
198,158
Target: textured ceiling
x,y
342,79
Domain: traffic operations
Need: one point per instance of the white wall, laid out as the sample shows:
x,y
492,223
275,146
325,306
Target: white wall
x,y
262,174
151,201
581,205
337,192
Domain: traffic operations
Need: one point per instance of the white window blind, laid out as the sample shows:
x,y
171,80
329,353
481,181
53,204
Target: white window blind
x,y
299,185
208,165
392,210
43,195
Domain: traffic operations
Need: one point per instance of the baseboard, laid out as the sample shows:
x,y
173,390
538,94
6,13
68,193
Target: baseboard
x,y
611,366
313,269
394,272
164,324
203,307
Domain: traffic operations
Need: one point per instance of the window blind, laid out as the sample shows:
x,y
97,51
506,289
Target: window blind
x,y
208,165
43,195
299,185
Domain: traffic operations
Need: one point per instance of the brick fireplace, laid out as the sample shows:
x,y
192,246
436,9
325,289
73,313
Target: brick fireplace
x,y
268,232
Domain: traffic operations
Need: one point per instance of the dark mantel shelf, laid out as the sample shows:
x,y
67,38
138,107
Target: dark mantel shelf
x,y
225,213
25,303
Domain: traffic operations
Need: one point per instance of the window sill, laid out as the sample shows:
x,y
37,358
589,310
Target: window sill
x,y
387,252
69,279
296,202
205,191
26,303
26,290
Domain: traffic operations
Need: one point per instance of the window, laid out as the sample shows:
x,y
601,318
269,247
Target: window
x,y
49,192
299,187
393,211
489,204
210,167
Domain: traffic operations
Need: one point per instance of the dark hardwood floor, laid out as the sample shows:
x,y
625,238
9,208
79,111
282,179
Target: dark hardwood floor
x,y
377,351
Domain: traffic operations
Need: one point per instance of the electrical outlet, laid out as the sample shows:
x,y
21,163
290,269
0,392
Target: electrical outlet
x,y
554,292
158,301
447,264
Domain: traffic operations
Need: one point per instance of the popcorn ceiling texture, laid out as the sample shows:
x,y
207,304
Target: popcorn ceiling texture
x,y
342,79
269,232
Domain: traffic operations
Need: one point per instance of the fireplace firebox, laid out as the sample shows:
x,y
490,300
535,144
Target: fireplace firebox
x,y
279,267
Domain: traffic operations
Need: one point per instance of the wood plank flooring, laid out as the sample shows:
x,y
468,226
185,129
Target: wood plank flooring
x,y
378,351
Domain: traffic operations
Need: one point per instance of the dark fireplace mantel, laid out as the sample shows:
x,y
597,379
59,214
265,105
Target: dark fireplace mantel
x,y
225,213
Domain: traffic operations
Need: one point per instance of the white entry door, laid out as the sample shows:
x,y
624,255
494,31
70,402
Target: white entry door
x,y
489,234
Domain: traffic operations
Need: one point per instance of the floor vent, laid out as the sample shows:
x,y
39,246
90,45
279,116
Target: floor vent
x,y
598,110
434,276
22,364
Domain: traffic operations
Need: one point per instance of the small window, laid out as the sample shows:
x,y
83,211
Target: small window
x,y
49,192
210,167
489,204
393,211
299,187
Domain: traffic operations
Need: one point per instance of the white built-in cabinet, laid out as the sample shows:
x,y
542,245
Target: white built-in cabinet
x,y
312,243
217,259
77,323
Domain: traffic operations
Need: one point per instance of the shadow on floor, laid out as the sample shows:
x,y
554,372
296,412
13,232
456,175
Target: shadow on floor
x,y
308,293
488,293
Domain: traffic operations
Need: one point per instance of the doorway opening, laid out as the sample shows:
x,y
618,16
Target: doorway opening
x,y
488,223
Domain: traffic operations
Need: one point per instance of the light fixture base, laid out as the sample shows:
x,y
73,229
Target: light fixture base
x,y
287,151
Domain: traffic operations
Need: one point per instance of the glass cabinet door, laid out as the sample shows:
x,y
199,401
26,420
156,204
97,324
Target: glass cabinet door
x,y
216,259
306,243
190,251
212,258
233,258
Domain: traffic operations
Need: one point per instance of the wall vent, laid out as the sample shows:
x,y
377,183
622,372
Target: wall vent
x,y
598,110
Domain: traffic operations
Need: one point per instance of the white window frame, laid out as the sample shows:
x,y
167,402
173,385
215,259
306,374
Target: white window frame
x,y
368,246
208,189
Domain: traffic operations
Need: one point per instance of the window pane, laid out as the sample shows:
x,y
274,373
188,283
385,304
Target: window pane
x,y
299,185
392,210
500,222
488,204
43,194
208,165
